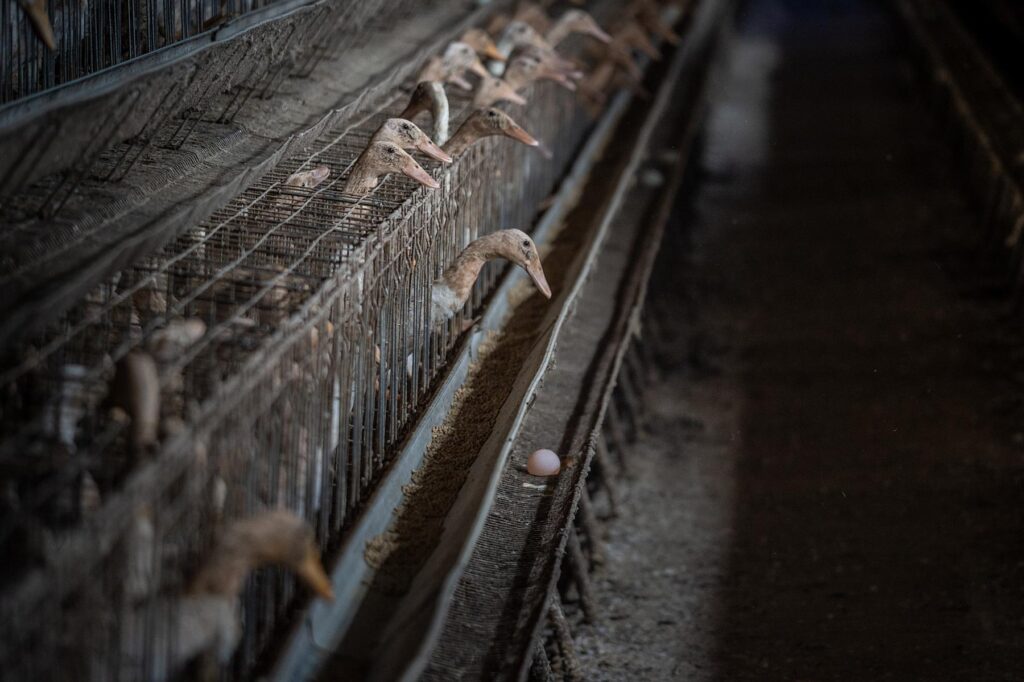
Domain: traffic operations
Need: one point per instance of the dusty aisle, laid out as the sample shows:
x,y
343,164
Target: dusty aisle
x,y
832,483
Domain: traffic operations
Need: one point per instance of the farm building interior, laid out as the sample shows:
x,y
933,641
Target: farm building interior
x,y
504,340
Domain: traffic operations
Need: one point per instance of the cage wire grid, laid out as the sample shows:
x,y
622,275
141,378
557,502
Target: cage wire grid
x,y
92,35
204,86
283,402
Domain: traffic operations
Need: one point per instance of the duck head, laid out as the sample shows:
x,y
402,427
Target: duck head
x,y
493,90
308,179
534,15
519,33
487,122
632,36
407,135
517,247
648,14
576,21
478,39
272,538
381,158
528,64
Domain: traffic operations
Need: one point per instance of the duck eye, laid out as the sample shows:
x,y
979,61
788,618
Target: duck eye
x,y
526,243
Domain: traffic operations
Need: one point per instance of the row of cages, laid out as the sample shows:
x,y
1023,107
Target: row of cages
x,y
47,43
292,340
172,71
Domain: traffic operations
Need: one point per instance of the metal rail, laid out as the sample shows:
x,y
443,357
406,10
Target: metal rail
x,y
985,122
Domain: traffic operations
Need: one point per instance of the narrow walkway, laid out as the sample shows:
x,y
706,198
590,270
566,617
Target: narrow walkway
x,y
831,486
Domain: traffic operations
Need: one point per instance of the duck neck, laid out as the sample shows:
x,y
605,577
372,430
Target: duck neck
x,y
362,179
558,33
439,110
463,272
462,140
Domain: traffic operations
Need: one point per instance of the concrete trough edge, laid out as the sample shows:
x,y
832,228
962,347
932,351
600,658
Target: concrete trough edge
x,y
323,625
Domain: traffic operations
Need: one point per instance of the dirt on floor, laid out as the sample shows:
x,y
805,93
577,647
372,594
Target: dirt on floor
x,y
830,485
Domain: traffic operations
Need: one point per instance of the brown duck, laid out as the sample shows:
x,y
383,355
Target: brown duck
x,y
206,620
575,21
486,123
528,64
478,39
408,136
451,67
493,90
382,158
451,290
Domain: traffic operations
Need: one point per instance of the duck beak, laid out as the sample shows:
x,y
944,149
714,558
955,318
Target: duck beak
x,y
517,133
311,571
510,95
432,150
36,11
595,31
565,81
460,82
414,171
536,273
478,68
645,45
491,51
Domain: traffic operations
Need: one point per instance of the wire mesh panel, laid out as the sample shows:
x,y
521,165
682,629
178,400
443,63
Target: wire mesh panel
x,y
316,349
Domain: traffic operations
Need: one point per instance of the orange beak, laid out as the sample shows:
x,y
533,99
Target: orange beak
x,y
311,571
517,133
491,52
426,146
414,171
536,273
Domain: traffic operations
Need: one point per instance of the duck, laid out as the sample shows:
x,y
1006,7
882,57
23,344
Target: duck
x,y
646,12
135,397
494,89
430,96
478,39
517,33
528,64
575,21
204,622
382,158
169,342
533,14
408,136
483,123
36,11
457,59
632,36
450,291
307,179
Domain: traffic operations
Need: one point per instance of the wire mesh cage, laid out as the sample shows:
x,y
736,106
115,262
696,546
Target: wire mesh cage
x,y
316,351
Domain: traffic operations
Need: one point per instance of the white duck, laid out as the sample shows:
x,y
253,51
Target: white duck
x,y
430,96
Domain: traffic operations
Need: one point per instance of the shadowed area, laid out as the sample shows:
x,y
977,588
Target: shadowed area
x,y
831,486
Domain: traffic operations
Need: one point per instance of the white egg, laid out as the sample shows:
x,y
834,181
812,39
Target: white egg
x,y
543,462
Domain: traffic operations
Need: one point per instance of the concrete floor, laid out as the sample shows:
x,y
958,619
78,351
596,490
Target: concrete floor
x,y
831,485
